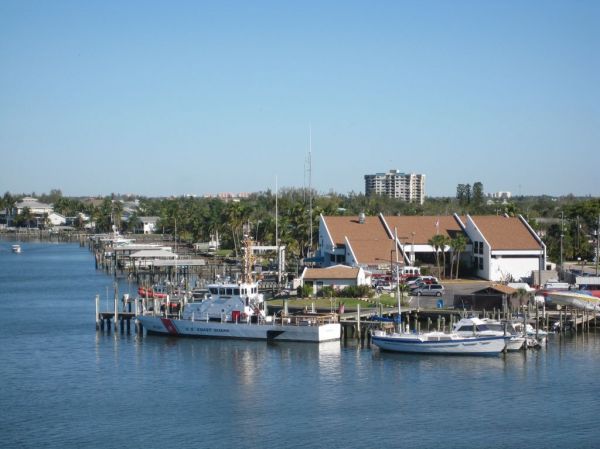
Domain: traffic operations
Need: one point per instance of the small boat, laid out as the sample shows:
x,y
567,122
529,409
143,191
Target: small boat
x,y
469,327
16,249
150,293
580,299
439,343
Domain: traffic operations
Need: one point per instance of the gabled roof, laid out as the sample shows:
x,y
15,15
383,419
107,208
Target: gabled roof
x,y
32,203
369,241
335,272
424,227
497,288
506,233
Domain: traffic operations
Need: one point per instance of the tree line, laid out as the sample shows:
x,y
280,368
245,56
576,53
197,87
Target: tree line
x,y
194,219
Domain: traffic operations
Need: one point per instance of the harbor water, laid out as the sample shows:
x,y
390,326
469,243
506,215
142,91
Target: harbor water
x,y
62,384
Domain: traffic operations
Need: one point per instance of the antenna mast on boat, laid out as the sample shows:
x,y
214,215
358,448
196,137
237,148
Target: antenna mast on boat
x,y
248,262
277,233
310,212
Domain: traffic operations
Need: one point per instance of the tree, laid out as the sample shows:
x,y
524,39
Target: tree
x,y
477,198
436,243
458,244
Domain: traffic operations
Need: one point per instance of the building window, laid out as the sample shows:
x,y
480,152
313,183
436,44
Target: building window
x,y
481,263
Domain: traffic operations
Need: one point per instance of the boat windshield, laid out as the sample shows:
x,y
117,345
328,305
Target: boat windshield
x,y
469,328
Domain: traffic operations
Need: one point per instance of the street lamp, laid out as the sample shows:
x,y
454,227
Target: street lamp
x,y
412,259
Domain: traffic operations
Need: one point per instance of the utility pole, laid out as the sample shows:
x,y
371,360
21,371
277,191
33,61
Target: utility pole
x,y
561,239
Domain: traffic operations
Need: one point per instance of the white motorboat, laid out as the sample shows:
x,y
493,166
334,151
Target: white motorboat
x,y
16,249
580,299
439,343
237,310
473,326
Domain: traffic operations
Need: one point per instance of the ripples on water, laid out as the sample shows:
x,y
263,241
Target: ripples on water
x,y
64,385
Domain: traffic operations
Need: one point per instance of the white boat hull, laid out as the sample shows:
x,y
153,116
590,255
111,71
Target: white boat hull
x,y
573,299
465,346
267,331
515,344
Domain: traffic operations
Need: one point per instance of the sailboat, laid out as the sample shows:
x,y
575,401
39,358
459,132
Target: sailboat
x,y
435,342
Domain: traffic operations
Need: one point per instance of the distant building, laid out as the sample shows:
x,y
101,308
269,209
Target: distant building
x,y
409,187
149,224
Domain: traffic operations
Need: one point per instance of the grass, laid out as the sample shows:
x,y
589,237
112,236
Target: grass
x,y
334,303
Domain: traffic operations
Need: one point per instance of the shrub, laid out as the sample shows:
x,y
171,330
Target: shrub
x,y
357,291
304,291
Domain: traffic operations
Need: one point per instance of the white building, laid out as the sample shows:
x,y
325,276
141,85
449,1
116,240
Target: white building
x,y
149,224
338,277
504,248
499,248
34,206
57,219
409,187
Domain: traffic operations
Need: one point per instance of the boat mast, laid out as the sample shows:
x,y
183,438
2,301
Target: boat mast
x,y
310,211
277,233
248,261
397,281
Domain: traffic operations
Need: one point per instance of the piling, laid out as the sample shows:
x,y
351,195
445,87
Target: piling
x,y
97,312
116,307
358,322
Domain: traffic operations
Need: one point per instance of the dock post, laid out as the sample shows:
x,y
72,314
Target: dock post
x,y
116,309
438,323
537,321
97,312
560,323
358,321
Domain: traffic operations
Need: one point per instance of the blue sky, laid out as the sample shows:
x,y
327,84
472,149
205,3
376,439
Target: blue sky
x,y
162,98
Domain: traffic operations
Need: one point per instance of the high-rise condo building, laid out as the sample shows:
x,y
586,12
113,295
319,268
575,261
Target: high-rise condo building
x,y
409,187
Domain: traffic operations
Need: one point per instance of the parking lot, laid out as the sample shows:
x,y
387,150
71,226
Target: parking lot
x,y
451,288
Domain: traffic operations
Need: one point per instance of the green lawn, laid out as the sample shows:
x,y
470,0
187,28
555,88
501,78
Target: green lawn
x,y
326,303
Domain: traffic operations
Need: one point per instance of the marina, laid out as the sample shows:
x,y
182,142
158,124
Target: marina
x,y
116,378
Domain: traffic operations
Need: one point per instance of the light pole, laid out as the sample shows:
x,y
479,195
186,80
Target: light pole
x,y
561,239
412,259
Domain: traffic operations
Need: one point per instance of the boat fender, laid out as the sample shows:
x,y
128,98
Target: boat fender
x,y
244,316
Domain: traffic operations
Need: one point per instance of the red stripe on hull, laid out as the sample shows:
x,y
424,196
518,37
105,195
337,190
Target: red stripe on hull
x,y
169,326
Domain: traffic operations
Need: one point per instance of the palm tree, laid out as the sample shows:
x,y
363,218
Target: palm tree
x,y
436,245
458,244
444,242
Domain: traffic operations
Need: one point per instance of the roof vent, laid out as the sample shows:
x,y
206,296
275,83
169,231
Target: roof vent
x,y
361,218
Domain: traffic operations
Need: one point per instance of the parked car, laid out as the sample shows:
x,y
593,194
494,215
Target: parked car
x,y
407,279
429,290
423,279
384,286
417,285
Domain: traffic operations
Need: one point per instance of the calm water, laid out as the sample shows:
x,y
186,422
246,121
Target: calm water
x,y
64,385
